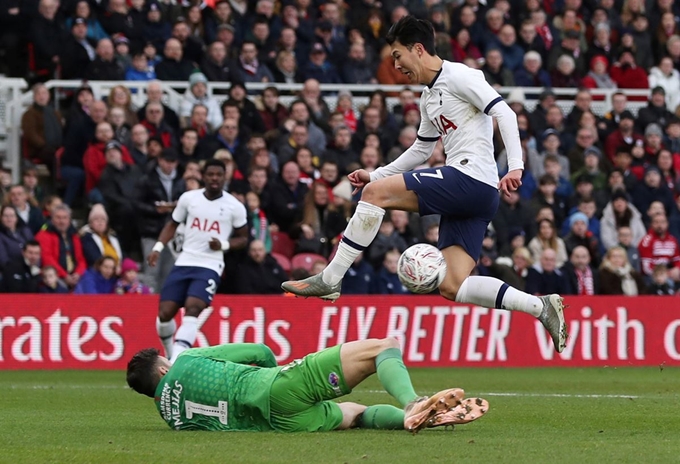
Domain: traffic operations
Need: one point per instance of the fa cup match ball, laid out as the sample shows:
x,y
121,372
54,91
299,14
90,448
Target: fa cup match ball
x,y
421,268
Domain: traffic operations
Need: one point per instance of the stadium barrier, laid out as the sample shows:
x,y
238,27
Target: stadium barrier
x,y
15,97
103,332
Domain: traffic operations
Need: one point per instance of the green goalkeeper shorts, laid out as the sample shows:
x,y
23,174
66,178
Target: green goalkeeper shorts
x,y
300,395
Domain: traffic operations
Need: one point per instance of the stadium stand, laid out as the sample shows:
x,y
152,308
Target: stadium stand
x,y
258,84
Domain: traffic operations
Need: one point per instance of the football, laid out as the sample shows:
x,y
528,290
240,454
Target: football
x,y
421,268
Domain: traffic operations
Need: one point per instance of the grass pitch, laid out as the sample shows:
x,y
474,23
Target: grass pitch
x,y
537,415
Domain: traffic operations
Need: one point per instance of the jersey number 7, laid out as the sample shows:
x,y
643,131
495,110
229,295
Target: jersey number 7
x,y
435,175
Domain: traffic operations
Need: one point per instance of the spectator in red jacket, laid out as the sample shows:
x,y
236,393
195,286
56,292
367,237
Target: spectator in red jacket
x,y
94,159
627,74
659,247
61,247
624,136
156,126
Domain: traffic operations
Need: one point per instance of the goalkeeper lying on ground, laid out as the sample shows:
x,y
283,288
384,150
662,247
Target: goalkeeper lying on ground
x,y
240,387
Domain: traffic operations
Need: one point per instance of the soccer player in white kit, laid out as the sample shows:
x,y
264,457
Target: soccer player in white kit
x,y
210,216
456,106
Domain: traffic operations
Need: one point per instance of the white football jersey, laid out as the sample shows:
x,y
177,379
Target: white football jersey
x,y
455,106
205,219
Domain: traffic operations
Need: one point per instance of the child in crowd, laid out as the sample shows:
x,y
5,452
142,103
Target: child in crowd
x,y
50,281
29,179
129,281
661,283
388,281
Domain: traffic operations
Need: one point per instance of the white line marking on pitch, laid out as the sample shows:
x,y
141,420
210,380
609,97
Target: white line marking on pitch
x,y
66,387
540,395
499,394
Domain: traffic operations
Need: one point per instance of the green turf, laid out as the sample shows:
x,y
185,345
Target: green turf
x,y
68,417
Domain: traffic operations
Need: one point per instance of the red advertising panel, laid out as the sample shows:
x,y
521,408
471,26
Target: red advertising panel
x,y
103,332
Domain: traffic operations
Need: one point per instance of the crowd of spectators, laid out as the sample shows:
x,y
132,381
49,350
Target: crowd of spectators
x,y
598,211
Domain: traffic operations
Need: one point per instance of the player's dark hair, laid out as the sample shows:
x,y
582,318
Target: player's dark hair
x,y
214,162
142,375
409,31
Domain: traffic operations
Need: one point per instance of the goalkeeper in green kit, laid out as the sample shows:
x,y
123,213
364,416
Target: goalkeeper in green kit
x,y
240,387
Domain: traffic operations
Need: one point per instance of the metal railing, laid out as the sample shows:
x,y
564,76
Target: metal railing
x,y
15,97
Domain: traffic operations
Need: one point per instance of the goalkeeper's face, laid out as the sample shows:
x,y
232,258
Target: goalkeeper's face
x,y
163,365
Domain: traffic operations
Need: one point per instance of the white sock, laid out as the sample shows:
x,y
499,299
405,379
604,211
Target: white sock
x,y
165,332
360,232
185,337
490,292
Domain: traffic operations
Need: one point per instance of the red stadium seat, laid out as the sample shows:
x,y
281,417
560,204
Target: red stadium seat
x,y
306,260
283,244
283,261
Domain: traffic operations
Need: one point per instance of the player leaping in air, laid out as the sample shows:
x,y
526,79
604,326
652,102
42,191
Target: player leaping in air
x,y
210,215
456,105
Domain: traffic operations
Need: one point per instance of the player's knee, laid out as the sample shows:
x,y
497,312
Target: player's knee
x,y
449,290
165,313
193,310
372,194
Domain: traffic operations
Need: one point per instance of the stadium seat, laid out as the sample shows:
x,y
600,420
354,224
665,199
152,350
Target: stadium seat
x,y
306,260
283,244
283,261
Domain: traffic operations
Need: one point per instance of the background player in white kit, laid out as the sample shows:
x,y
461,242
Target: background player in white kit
x,y
210,215
455,105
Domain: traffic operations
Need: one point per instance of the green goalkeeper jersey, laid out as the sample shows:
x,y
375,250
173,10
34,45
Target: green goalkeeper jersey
x,y
218,388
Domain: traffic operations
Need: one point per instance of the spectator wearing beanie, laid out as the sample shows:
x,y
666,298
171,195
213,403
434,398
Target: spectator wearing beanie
x,y
98,239
129,283
597,77
95,159
579,235
197,93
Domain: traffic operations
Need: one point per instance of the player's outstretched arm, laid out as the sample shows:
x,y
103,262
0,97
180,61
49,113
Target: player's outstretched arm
x,y
257,354
414,156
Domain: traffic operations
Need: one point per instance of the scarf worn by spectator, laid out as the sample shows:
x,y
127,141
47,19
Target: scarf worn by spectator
x,y
252,67
603,81
585,282
628,284
261,233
